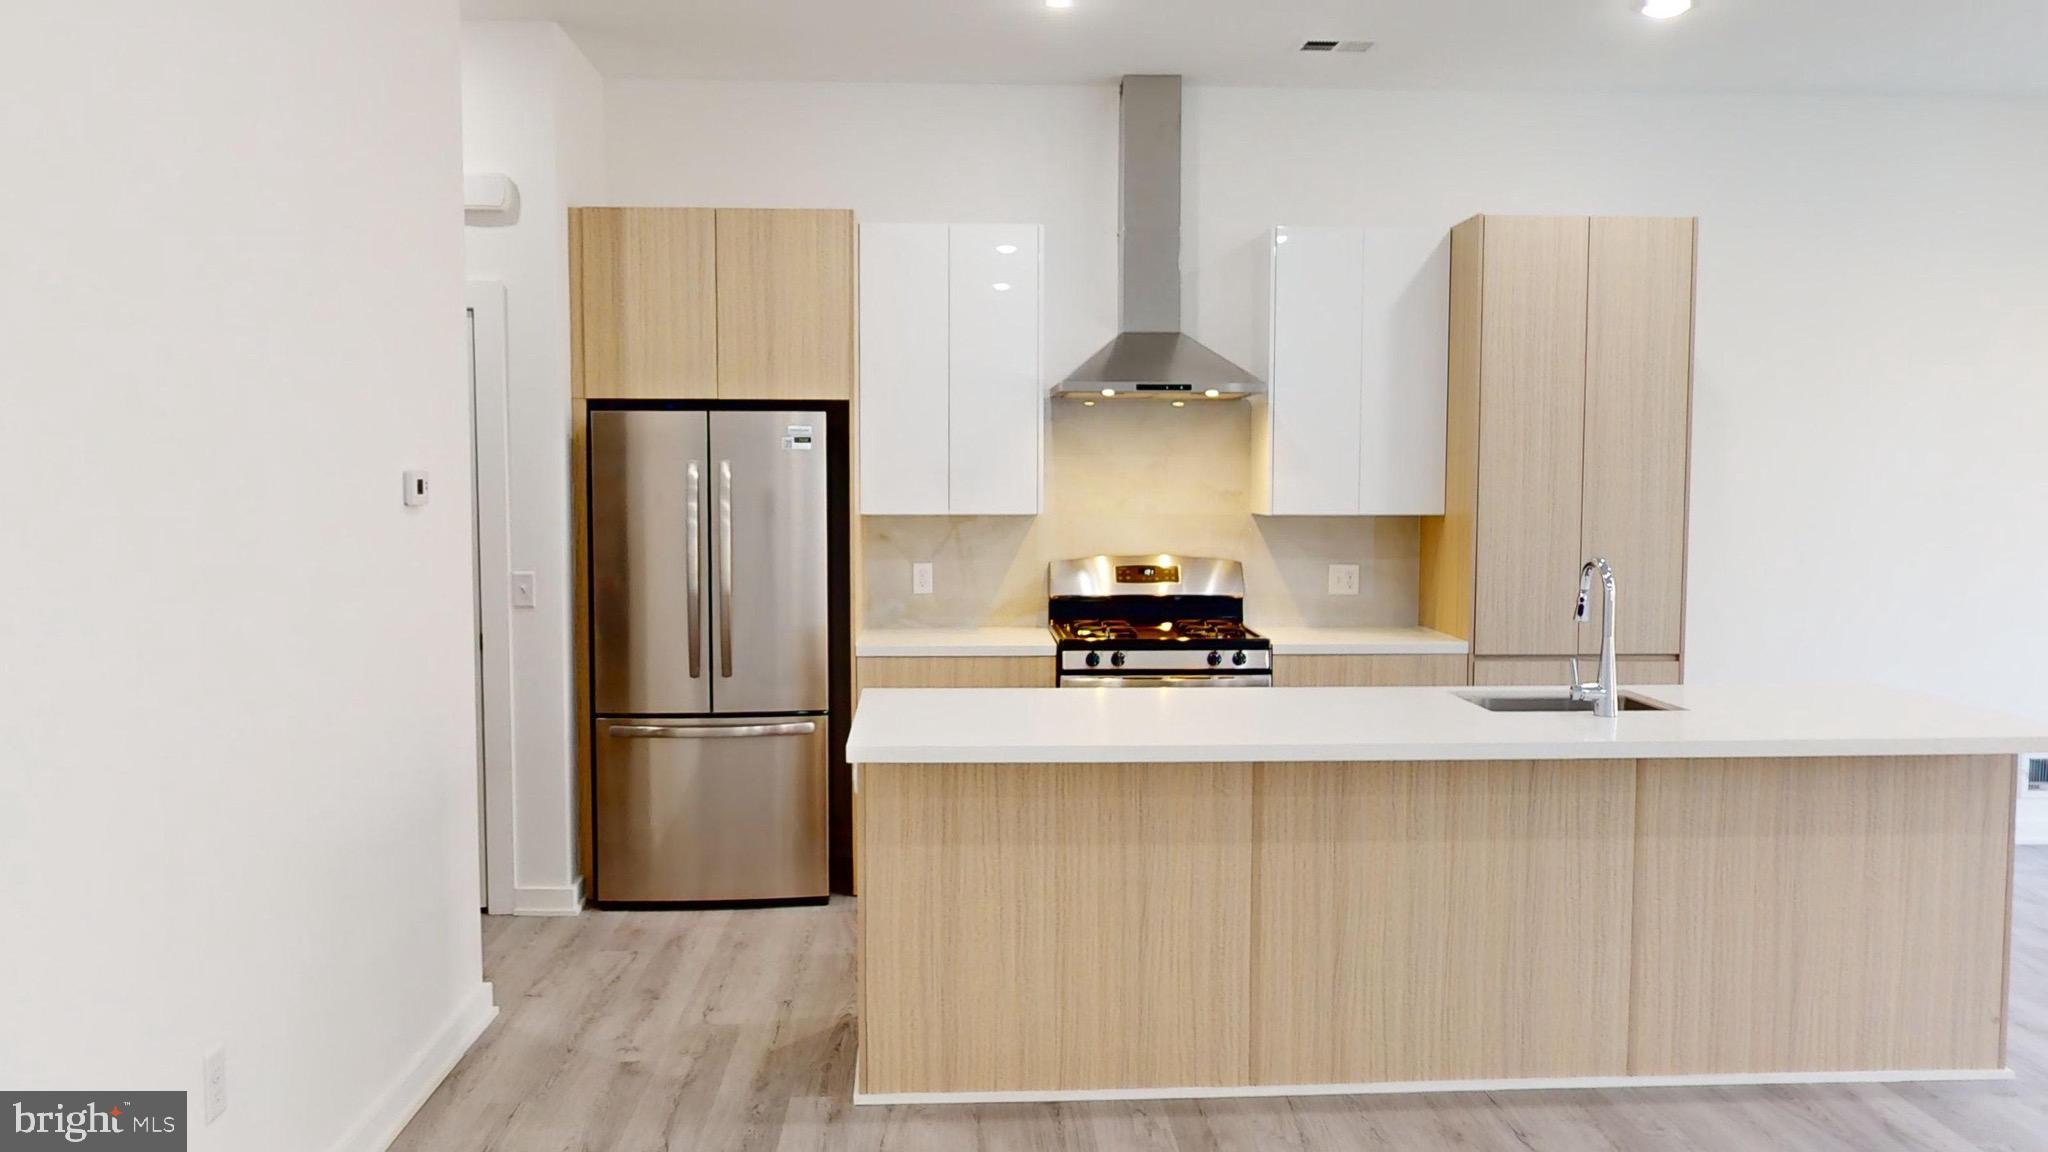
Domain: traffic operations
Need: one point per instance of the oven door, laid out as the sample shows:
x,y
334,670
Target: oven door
x,y
1220,680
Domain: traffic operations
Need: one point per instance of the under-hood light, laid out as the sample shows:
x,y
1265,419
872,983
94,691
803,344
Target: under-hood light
x,y
1212,393
1109,391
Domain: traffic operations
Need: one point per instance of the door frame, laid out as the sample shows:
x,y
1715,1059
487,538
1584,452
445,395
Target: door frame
x,y
490,447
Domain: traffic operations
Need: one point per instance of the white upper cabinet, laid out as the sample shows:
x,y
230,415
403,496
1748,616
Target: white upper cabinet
x,y
1354,405
998,401
903,369
952,405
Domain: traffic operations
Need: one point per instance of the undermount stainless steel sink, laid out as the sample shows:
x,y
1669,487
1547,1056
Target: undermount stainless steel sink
x,y
1630,702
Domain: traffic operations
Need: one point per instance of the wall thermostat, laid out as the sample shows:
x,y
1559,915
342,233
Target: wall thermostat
x,y
415,489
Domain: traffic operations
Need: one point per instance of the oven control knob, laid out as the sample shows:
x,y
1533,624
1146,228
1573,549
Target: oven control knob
x,y
1094,658
1117,658
1215,658
1237,657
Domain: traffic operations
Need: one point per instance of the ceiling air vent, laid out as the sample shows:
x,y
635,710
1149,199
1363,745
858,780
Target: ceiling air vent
x,y
1335,45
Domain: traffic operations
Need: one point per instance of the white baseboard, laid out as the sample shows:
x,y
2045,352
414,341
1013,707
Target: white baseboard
x,y
1384,1089
548,901
388,1115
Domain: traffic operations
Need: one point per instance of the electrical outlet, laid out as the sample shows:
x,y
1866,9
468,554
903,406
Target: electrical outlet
x,y
214,1079
1343,579
522,589
921,578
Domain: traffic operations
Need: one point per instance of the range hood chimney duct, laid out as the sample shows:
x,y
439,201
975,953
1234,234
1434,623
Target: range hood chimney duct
x,y
1151,358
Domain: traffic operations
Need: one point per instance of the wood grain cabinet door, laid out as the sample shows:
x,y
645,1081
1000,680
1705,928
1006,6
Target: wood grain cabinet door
x,y
1638,403
1531,423
785,304
643,317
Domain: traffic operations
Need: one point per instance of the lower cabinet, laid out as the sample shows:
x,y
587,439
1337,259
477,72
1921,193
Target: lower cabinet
x,y
1378,671
957,671
1538,671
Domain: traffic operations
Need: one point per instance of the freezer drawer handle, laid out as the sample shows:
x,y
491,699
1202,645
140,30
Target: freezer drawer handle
x,y
664,732
725,568
695,582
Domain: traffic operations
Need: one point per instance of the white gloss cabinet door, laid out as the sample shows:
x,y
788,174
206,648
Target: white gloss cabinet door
x,y
997,398
1312,382
903,369
1406,362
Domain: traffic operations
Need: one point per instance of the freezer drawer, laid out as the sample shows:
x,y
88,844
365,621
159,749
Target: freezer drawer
x,y
725,808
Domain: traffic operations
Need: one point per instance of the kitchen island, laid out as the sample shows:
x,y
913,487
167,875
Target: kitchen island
x,y
1096,893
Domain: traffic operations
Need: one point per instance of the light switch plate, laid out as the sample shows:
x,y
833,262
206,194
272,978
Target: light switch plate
x,y
522,589
921,578
1343,579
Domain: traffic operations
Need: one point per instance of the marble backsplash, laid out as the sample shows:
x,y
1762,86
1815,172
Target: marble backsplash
x,y
1140,477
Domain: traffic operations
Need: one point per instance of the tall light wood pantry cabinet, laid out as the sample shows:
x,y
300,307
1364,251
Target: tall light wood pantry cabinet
x,y
711,303
1569,436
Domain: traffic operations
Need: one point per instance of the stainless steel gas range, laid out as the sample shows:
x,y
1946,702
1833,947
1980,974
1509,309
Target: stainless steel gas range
x,y
1154,622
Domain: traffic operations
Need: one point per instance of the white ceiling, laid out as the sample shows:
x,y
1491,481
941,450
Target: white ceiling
x,y
1977,46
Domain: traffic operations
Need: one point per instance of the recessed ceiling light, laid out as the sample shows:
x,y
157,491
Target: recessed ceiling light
x,y
1087,403
1666,9
1180,403
1006,249
1000,286
1059,3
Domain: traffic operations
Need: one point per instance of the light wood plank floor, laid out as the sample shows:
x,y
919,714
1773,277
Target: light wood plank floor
x,y
735,1030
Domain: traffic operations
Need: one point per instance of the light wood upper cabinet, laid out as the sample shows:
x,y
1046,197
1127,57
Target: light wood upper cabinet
x,y
1353,416
643,311
1568,433
1638,402
952,399
785,304
1532,384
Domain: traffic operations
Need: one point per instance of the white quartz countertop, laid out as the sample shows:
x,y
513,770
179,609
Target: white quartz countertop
x,y
1109,725
1302,640
953,642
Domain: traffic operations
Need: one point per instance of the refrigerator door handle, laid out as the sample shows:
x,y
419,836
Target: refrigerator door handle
x,y
694,563
724,732
725,569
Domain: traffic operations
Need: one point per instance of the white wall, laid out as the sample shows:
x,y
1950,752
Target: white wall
x,y
237,747
532,109
1873,319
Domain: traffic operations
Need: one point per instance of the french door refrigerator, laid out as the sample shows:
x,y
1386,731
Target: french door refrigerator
x,y
710,654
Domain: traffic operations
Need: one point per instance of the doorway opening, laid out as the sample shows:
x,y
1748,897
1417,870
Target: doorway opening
x,y
490,534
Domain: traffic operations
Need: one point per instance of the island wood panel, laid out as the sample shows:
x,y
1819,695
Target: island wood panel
x,y
643,303
1441,921
1446,589
1369,671
958,671
1531,434
1054,926
1638,408
785,304
1821,914
1507,671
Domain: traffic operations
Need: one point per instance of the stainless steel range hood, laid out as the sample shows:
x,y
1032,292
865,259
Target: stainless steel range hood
x,y
1151,358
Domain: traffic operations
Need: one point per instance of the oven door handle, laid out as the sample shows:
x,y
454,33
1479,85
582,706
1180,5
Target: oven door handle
x,y
1223,681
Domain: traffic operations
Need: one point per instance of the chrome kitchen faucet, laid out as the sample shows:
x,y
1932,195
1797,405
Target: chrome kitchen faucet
x,y
1605,693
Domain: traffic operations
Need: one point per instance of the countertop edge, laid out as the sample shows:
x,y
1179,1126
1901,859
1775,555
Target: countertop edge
x,y
1408,753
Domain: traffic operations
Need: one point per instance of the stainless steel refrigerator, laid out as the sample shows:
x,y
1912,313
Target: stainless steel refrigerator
x,y
710,654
